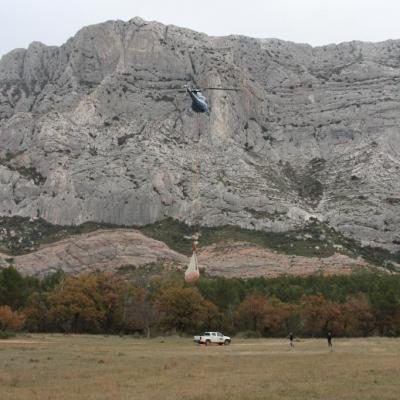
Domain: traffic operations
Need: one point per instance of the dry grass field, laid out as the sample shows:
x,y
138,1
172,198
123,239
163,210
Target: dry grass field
x,y
55,367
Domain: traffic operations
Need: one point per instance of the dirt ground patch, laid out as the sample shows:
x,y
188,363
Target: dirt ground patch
x,y
56,367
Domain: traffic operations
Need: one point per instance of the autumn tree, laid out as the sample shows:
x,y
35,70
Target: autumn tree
x,y
112,289
334,319
139,313
267,317
213,318
10,320
181,309
76,305
252,313
281,318
37,313
314,314
357,316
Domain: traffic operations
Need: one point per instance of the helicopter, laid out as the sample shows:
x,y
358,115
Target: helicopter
x,y
199,102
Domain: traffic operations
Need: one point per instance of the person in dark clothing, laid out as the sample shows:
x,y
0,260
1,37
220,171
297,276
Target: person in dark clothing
x,y
291,337
329,338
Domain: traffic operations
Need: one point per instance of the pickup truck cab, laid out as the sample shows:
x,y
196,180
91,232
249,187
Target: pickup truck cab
x,y
212,337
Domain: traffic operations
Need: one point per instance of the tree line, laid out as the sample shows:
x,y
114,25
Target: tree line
x,y
361,304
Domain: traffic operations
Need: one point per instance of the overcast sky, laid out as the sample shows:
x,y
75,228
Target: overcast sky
x,y
308,21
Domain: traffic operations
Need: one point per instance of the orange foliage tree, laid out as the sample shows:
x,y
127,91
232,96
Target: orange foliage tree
x,y
87,303
267,317
10,320
315,314
252,313
320,315
281,318
358,317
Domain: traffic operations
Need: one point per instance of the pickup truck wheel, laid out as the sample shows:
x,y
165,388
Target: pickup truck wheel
x,y
207,342
227,342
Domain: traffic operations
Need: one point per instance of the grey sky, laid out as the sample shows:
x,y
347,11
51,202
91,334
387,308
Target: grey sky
x,y
308,21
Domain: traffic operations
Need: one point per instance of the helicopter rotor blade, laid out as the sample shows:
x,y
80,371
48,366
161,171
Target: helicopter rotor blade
x,y
179,90
199,90
219,88
194,90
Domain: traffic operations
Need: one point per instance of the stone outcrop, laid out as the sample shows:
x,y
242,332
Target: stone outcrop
x,y
246,260
105,251
90,131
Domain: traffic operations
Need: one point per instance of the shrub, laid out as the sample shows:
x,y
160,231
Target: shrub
x,y
6,335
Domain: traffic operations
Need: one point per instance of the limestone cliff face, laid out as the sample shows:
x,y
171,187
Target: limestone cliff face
x,y
87,131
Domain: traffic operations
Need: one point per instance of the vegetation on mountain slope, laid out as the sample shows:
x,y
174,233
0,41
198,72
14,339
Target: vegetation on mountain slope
x,y
20,235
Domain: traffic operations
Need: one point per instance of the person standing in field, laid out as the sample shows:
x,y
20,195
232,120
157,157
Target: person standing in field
x,y
329,338
291,339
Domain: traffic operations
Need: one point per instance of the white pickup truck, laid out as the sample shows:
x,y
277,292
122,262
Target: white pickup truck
x,y
212,337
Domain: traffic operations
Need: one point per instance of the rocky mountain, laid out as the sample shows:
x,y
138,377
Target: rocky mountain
x,y
90,131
